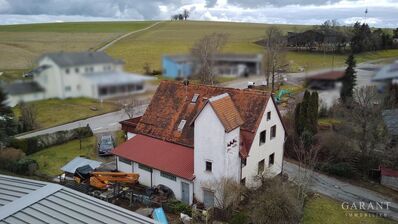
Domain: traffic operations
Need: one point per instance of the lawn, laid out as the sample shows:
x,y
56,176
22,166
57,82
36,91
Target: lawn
x,y
21,45
78,27
54,112
327,211
50,160
177,37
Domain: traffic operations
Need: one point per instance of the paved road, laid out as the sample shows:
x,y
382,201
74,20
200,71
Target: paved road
x,y
126,35
343,191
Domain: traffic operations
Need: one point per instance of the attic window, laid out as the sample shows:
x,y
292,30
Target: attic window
x,y
195,98
181,125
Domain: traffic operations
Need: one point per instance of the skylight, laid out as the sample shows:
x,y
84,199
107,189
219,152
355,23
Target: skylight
x,y
195,98
181,125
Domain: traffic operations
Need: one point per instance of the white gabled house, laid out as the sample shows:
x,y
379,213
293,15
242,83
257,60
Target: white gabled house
x,y
76,74
192,137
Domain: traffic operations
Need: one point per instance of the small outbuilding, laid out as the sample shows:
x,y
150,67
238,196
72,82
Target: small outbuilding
x,y
70,167
389,177
325,80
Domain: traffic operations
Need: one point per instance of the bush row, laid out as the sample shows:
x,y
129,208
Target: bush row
x,y
14,160
37,143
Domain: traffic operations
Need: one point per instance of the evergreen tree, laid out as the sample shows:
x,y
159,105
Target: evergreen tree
x,y
349,79
306,115
8,125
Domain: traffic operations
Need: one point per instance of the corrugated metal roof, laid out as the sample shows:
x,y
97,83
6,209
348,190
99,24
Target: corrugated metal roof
x,y
79,162
32,201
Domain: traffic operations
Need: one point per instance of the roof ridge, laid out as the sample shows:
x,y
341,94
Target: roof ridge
x,y
251,91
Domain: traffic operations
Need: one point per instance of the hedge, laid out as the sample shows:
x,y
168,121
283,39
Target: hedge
x,y
37,143
339,169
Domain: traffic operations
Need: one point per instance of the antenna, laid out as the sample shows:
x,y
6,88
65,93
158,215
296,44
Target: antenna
x,y
366,13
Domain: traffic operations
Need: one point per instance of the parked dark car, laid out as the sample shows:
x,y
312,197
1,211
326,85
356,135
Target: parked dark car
x,y
106,145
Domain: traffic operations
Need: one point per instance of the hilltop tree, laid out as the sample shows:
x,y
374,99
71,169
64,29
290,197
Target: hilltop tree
x,y
204,50
349,79
185,14
8,127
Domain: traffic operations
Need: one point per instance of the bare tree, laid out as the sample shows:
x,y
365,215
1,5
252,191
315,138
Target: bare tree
x,y
185,14
274,202
275,54
204,51
229,193
307,156
363,124
133,107
28,117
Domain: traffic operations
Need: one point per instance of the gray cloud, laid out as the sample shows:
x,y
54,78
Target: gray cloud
x,y
381,14
95,8
280,3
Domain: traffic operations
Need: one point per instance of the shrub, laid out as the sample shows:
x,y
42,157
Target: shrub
x,y
9,156
342,169
26,166
239,218
178,207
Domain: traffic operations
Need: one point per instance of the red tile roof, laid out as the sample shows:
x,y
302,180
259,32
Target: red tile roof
x,y
330,75
388,172
226,112
161,155
172,103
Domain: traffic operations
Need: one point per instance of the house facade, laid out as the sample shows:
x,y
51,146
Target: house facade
x,y
193,137
80,74
183,66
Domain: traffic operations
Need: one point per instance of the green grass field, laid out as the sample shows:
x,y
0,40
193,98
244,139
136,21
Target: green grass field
x,y
54,112
178,37
78,27
50,160
21,45
327,211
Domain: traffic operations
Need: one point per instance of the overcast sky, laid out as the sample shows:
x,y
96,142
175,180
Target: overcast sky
x,y
381,13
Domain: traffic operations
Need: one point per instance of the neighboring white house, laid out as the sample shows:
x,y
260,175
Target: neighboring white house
x,y
79,74
193,137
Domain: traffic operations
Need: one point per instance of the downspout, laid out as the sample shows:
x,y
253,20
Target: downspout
x,y
151,177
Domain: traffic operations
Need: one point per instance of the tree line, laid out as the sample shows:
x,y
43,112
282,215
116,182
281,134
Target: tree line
x,y
331,37
181,16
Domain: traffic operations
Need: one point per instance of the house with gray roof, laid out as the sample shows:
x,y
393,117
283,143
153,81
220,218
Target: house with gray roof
x,y
77,74
30,201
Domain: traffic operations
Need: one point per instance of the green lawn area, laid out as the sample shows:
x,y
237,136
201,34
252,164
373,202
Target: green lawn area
x,y
54,112
177,37
86,27
327,211
50,160
21,45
